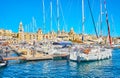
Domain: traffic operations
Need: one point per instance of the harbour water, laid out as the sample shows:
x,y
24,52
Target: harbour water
x,y
63,68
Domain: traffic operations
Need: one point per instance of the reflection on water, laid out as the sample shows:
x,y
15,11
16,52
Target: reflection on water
x,y
64,68
89,69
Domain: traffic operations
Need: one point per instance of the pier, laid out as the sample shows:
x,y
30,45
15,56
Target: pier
x,y
44,57
39,58
36,57
14,58
30,55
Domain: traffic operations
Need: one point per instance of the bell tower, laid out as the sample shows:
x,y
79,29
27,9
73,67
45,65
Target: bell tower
x,y
21,32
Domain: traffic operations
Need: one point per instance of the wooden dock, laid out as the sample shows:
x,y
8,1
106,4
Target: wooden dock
x,y
14,58
44,57
28,58
31,57
39,58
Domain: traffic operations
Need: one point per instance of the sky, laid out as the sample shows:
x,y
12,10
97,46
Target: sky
x,y
12,12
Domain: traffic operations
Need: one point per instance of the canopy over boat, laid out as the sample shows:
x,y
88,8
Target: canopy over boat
x,y
63,43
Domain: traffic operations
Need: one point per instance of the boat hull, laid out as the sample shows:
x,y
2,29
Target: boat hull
x,y
92,56
3,63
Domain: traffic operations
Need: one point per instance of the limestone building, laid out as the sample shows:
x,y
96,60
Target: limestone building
x,y
29,37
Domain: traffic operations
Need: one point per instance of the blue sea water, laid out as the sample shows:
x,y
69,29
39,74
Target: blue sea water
x,y
109,68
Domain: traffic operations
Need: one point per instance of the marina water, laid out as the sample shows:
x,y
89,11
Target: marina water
x,y
63,68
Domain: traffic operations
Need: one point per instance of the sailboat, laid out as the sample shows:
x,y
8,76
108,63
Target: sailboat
x,y
91,52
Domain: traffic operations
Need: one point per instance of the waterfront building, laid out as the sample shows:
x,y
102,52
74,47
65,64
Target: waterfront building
x,y
5,34
71,34
38,36
29,37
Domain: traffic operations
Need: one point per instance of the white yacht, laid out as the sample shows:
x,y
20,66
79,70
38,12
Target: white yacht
x,y
90,53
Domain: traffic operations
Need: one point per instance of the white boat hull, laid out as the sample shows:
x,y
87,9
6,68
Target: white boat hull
x,y
4,63
92,56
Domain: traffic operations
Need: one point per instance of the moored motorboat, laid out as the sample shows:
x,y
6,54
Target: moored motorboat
x,y
2,62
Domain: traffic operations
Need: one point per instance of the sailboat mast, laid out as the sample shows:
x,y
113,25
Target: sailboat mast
x,y
83,20
51,14
33,24
43,15
58,15
100,18
107,23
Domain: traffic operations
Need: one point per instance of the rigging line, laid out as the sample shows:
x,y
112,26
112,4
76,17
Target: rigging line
x,y
99,26
92,18
101,13
79,28
35,26
70,3
113,25
25,28
62,15
79,22
54,19
30,27
93,5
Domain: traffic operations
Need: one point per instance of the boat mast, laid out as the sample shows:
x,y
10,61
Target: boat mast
x,y
43,15
101,18
107,23
33,24
83,20
58,16
51,15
